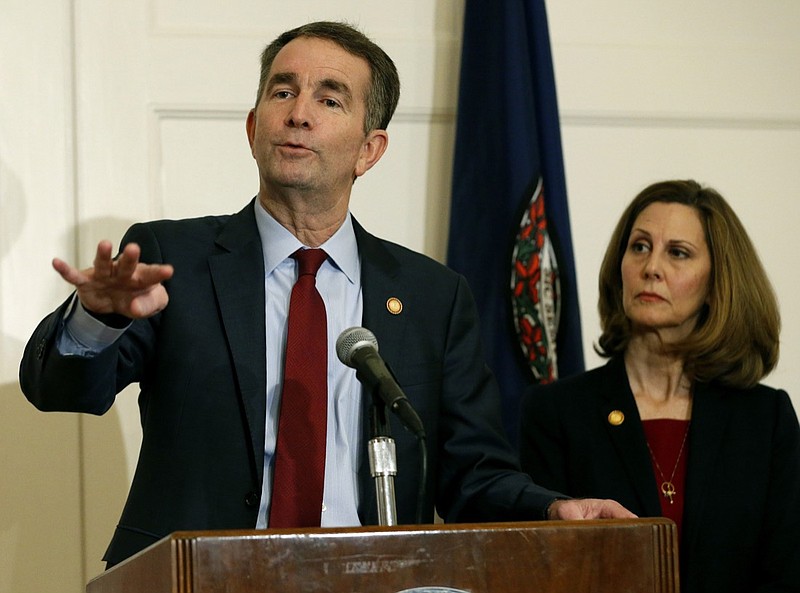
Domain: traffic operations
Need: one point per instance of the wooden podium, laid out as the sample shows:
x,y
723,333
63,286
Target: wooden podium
x,y
606,556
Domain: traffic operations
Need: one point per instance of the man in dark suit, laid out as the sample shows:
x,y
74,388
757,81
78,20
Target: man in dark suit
x,y
209,365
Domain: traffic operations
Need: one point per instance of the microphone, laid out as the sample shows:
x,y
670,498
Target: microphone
x,y
357,347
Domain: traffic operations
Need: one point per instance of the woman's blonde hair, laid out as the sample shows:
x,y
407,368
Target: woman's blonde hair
x,y
736,339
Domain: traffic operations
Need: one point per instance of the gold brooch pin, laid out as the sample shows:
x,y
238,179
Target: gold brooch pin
x,y
616,417
394,306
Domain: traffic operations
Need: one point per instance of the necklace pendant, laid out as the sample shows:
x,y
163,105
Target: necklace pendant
x,y
668,490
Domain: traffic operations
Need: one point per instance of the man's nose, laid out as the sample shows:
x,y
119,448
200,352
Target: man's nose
x,y
300,115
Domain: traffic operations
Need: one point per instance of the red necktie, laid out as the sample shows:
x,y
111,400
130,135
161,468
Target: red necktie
x,y
300,449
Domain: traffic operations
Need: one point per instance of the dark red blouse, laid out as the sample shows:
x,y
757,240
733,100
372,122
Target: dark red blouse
x,y
669,450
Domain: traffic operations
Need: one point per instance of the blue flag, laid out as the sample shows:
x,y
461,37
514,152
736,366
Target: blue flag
x,y
509,222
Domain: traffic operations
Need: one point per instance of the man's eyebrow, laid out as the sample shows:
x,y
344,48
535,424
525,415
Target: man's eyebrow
x,y
336,86
282,78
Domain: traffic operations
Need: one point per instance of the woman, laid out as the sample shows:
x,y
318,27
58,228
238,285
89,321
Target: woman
x,y
676,423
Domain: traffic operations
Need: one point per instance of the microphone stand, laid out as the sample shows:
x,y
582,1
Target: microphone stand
x,y
383,463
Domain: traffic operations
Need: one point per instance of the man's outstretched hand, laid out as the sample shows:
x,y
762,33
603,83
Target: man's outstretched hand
x,y
124,285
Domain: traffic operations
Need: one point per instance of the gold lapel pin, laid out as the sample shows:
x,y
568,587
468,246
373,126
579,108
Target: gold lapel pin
x,y
616,417
394,306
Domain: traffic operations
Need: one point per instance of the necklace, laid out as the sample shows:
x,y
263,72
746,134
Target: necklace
x,y
667,486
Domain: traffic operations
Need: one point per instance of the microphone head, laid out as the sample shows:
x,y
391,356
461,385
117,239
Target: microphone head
x,y
353,339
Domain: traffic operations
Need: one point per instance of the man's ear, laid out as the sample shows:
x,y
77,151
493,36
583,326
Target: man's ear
x,y
372,150
250,125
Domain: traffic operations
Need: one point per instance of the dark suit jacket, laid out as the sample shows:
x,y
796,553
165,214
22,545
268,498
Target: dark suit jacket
x,y
200,365
741,524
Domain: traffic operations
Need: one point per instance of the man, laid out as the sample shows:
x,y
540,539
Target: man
x,y
209,365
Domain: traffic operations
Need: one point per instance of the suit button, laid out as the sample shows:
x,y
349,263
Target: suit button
x,y
252,500
40,349
616,417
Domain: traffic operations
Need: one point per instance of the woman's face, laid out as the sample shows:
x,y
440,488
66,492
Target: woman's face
x,y
666,271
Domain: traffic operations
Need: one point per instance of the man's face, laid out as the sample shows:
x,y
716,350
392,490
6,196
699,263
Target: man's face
x,y
307,132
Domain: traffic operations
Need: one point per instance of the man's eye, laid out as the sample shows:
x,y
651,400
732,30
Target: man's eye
x,y
331,103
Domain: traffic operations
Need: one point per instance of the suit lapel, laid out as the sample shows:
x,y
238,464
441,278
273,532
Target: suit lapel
x,y
628,437
379,271
710,416
237,271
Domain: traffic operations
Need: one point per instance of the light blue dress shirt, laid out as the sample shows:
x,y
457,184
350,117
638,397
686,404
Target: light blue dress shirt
x,y
339,284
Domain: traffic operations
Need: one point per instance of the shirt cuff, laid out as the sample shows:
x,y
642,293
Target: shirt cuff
x,y
83,334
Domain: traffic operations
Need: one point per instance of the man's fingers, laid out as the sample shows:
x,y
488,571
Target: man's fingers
x,y
103,260
588,508
151,274
68,273
128,260
614,510
125,285
149,303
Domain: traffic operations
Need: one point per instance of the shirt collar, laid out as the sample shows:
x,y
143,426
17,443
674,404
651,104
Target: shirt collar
x,y
278,244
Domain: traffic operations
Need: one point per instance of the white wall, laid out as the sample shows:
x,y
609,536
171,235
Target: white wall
x,y
112,112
